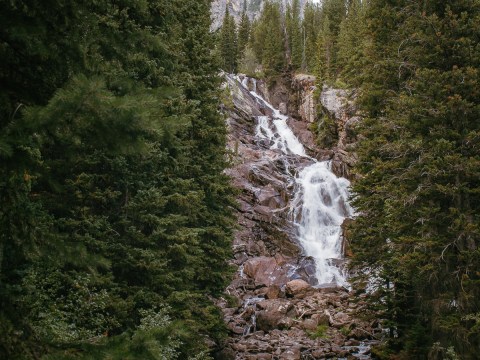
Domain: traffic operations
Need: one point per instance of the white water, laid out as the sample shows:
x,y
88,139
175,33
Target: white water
x,y
320,204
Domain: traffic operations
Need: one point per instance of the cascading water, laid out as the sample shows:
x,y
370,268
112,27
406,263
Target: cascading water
x,y
320,204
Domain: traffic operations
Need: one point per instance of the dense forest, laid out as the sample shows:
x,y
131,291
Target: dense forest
x,y
413,69
113,197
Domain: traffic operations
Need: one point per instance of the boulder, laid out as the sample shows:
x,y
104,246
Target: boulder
x,y
273,292
294,353
321,319
274,314
298,288
265,271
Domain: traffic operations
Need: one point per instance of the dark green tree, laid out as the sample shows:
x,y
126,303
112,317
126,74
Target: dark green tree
x,y
243,31
294,31
351,37
229,42
269,39
310,28
107,220
417,194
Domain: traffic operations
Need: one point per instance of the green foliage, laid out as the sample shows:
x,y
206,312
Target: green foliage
x,y
351,38
243,31
268,39
417,189
319,333
114,199
345,330
310,29
248,64
294,31
326,130
229,42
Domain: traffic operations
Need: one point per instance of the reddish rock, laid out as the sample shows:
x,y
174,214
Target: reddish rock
x,y
297,288
265,271
273,292
275,314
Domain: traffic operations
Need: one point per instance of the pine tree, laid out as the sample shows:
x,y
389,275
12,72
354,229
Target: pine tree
x,y
269,39
229,42
107,218
325,53
332,14
310,25
350,42
295,35
243,31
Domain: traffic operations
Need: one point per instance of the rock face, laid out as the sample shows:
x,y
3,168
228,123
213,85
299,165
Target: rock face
x,y
280,314
309,106
235,8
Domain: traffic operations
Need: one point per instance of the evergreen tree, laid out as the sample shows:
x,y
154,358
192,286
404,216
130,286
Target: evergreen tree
x,y
325,53
243,31
417,194
310,29
350,42
108,221
294,32
229,42
269,39
331,15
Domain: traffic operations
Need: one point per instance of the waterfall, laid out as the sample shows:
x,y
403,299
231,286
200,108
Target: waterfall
x,y
320,203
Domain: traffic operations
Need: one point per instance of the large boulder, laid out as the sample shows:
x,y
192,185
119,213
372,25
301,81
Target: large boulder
x,y
275,314
266,271
298,288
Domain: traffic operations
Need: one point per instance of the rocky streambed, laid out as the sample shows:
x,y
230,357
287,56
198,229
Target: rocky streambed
x,y
275,307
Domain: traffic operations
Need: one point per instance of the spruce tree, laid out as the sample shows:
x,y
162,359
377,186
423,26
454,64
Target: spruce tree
x,y
229,42
325,53
243,31
351,36
310,29
269,39
294,31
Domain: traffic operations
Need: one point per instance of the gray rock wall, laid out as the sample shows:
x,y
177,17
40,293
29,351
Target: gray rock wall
x,y
254,8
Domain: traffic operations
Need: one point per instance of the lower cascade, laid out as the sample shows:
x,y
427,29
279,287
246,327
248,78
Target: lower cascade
x,y
320,206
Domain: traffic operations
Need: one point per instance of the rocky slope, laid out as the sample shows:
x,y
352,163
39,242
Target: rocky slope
x,y
274,307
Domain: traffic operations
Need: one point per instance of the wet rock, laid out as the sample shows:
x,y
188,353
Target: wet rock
x,y
268,196
306,270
